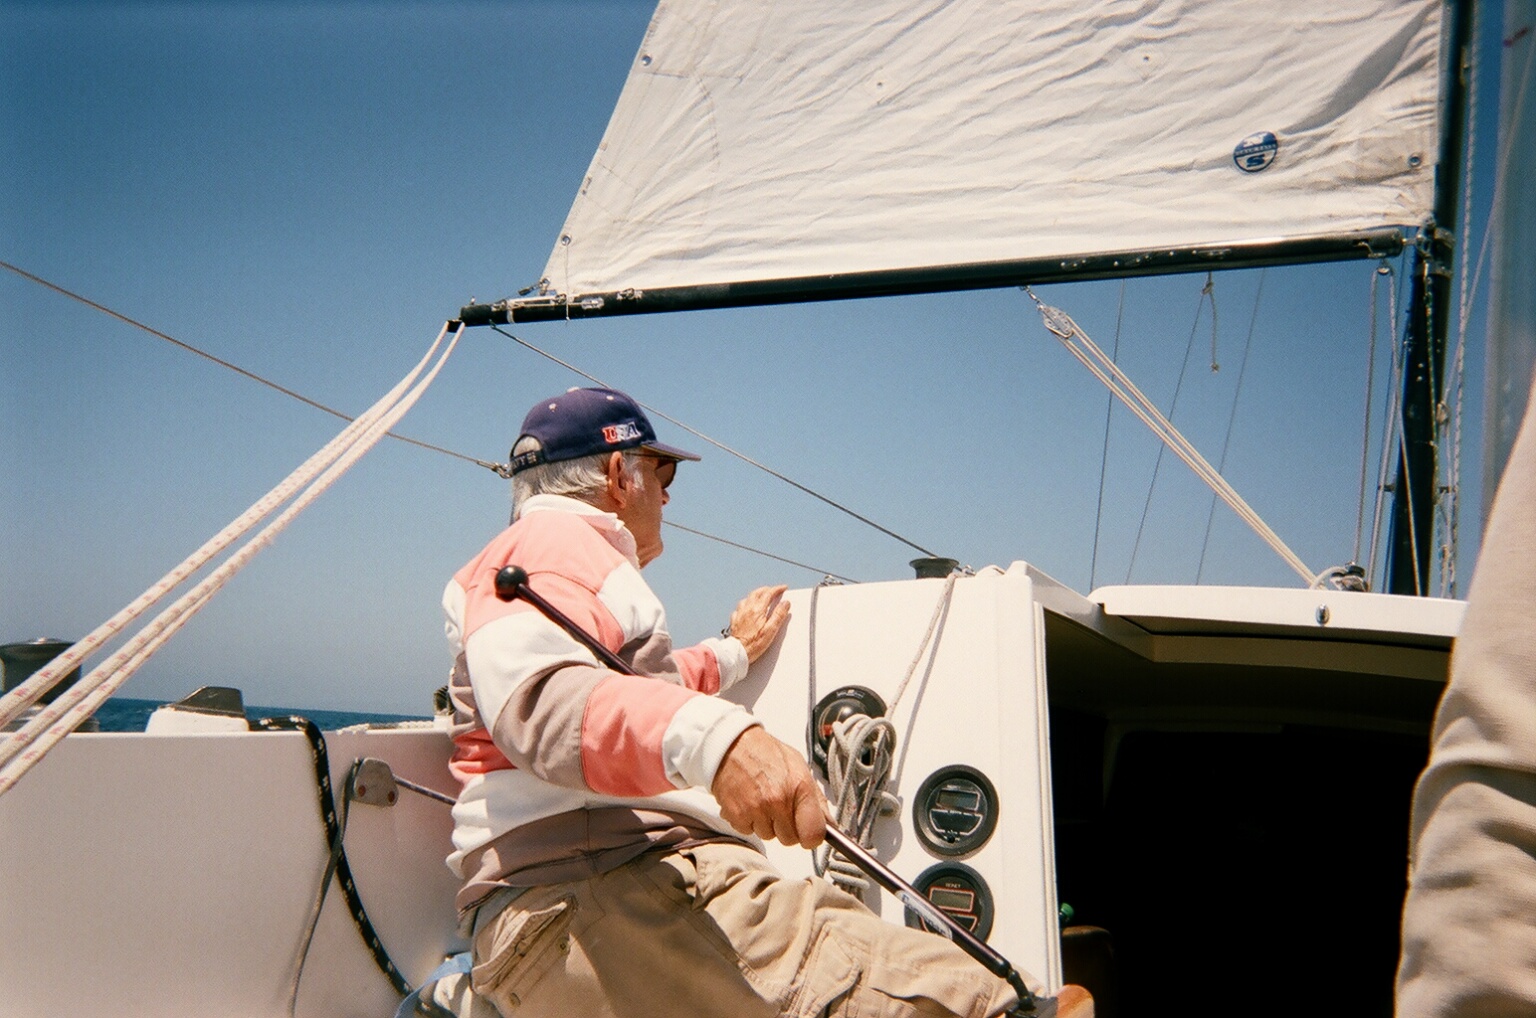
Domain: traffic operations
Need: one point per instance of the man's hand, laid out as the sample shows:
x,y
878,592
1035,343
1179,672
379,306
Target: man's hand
x,y
765,788
758,618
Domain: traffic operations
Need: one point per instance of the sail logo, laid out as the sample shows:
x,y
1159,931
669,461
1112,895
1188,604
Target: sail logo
x,y
616,433
1256,152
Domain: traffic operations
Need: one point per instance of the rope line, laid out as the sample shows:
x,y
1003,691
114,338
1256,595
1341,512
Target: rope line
x,y
53,722
861,751
334,821
1109,409
723,447
1157,466
1237,393
13,702
1060,324
237,369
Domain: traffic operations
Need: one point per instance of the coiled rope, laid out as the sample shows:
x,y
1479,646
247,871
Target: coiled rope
x,y
44,730
860,754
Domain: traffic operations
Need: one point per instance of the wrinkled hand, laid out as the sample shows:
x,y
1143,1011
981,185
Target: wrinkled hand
x,y
758,618
765,788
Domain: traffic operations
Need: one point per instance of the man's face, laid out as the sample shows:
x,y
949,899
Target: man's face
x,y
643,513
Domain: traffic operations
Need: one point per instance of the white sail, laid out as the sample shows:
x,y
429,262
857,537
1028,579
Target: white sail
x,y
803,138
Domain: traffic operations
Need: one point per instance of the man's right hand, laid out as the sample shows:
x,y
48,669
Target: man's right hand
x,y
765,788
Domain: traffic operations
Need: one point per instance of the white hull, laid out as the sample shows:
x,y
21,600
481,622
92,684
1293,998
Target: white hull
x,y
170,875
175,875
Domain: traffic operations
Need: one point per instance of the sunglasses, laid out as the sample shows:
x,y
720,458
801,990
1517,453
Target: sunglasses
x,y
666,469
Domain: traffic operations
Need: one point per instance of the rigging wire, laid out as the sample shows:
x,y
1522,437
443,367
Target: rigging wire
x,y
502,470
1394,418
1242,370
1428,312
1210,287
1370,392
1109,409
1080,345
755,551
1157,466
237,369
723,447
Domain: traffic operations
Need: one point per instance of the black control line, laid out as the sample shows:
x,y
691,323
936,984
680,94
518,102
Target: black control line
x,y
512,584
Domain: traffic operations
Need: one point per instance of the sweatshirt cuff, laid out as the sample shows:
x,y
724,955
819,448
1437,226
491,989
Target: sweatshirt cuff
x,y
730,657
698,737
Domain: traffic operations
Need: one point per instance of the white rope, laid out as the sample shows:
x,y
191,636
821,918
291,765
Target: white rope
x,y
17,700
1060,324
858,763
859,757
74,705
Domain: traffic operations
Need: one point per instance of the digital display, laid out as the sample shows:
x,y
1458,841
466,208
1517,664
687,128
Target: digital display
x,y
958,797
960,893
952,899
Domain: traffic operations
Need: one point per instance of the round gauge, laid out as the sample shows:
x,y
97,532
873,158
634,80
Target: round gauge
x,y
960,893
955,810
835,706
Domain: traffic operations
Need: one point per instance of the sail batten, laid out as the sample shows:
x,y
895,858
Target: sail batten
x,y
769,142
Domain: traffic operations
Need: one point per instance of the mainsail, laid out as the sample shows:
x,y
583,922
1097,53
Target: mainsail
x,y
801,149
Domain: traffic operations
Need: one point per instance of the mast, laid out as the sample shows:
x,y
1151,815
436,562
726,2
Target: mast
x,y
1415,490
1510,353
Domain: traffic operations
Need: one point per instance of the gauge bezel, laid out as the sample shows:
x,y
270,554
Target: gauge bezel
x,y
948,844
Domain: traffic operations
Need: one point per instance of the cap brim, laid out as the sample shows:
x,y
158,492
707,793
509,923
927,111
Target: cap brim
x,y
670,451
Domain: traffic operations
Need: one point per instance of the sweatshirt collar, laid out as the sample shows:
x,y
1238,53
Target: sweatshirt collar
x,y
610,526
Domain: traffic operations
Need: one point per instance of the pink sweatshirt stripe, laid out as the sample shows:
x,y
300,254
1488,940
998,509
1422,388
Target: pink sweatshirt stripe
x,y
474,754
621,734
699,669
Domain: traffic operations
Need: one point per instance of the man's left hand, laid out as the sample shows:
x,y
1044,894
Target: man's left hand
x,y
758,618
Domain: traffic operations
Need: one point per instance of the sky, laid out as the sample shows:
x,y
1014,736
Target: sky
x,y
310,190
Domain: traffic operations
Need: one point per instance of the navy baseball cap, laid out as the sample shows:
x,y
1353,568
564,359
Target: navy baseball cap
x,y
583,422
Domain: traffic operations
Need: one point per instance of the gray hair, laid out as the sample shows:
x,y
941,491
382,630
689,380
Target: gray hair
x,y
584,477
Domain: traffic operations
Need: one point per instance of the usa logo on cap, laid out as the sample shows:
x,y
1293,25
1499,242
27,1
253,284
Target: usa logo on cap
x,y
613,434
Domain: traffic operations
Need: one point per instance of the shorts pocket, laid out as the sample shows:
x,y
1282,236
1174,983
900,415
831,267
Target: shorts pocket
x,y
518,949
890,990
826,979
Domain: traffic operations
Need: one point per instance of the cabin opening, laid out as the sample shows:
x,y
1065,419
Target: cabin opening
x,y
1240,829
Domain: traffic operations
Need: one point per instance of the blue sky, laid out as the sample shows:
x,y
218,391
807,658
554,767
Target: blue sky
x,y
309,190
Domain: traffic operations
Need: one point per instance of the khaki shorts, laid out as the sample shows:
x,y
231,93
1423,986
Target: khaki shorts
x,y
716,931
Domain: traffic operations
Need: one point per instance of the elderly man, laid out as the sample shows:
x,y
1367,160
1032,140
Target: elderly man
x,y
605,828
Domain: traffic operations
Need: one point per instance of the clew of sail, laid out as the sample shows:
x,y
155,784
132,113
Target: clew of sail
x,y
766,144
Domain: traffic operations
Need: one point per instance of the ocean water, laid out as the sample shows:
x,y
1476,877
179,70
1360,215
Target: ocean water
x,y
123,714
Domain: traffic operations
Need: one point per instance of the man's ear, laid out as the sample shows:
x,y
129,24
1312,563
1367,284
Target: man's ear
x,y
618,481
